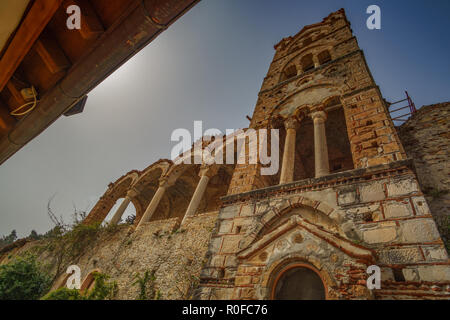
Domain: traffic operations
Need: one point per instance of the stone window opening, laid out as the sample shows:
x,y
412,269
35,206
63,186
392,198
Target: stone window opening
x,y
122,209
289,73
324,57
307,62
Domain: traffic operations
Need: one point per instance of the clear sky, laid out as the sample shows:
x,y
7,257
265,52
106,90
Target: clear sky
x,y
208,66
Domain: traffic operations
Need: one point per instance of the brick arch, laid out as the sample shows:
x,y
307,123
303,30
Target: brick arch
x,y
161,166
314,86
276,268
324,27
115,191
314,50
278,211
89,281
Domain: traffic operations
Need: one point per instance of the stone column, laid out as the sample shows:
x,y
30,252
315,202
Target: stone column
x,y
163,186
320,144
316,61
123,206
287,167
206,173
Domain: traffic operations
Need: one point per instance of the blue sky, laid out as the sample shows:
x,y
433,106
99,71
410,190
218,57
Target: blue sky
x,y
208,66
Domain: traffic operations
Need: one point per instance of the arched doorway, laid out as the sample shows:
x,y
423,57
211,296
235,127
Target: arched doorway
x,y
299,282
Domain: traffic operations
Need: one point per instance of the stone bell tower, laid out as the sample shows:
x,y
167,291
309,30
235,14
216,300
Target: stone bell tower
x,y
345,197
319,86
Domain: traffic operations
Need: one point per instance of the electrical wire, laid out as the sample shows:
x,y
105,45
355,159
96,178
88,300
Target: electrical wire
x,y
16,112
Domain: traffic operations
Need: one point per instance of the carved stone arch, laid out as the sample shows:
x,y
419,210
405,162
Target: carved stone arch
x,y
161,166
302,99
276,268
291,243
306,32
114,192
314,49
280,209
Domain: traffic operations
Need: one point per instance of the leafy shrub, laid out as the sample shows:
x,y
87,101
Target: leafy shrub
x,y
146,286
103,290
64,294
23,279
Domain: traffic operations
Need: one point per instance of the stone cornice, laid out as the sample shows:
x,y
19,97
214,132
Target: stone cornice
x,y
337,179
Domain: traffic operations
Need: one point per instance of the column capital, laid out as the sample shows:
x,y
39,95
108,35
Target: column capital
x,y
208,170
319,115
132,193
166,182
291,123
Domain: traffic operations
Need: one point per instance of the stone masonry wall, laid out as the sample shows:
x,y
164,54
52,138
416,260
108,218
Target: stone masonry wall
x,y
426,139
367,216
176,256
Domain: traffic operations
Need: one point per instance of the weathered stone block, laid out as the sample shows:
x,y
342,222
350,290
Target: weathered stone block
x,y
402,187
380,235
402,255
231,244
397,209
347,197
372,192
387,274
247,210
410,274
225,227
217,261
435,253
229,212
421,206
243,280
418,230
434,273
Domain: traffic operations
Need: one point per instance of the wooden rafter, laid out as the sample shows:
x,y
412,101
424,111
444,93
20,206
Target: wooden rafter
x,y
37,18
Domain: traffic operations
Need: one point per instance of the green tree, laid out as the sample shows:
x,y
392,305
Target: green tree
x,y
23,279
5,240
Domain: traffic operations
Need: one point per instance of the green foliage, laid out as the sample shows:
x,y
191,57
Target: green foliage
x,y
147,286
130,219
5,240
64,294
23,279
103,290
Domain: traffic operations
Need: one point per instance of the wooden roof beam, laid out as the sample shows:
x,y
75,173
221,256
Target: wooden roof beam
x,y
37,18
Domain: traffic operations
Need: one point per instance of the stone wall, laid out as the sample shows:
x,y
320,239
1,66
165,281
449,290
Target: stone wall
x,y
176,256
426,139
339,225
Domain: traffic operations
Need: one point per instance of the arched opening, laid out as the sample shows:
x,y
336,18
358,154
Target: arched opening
x,y
147,185
307,62
177,197
289,72
89,282
324,57
217,188
299,282
339,152
129,212
104,207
